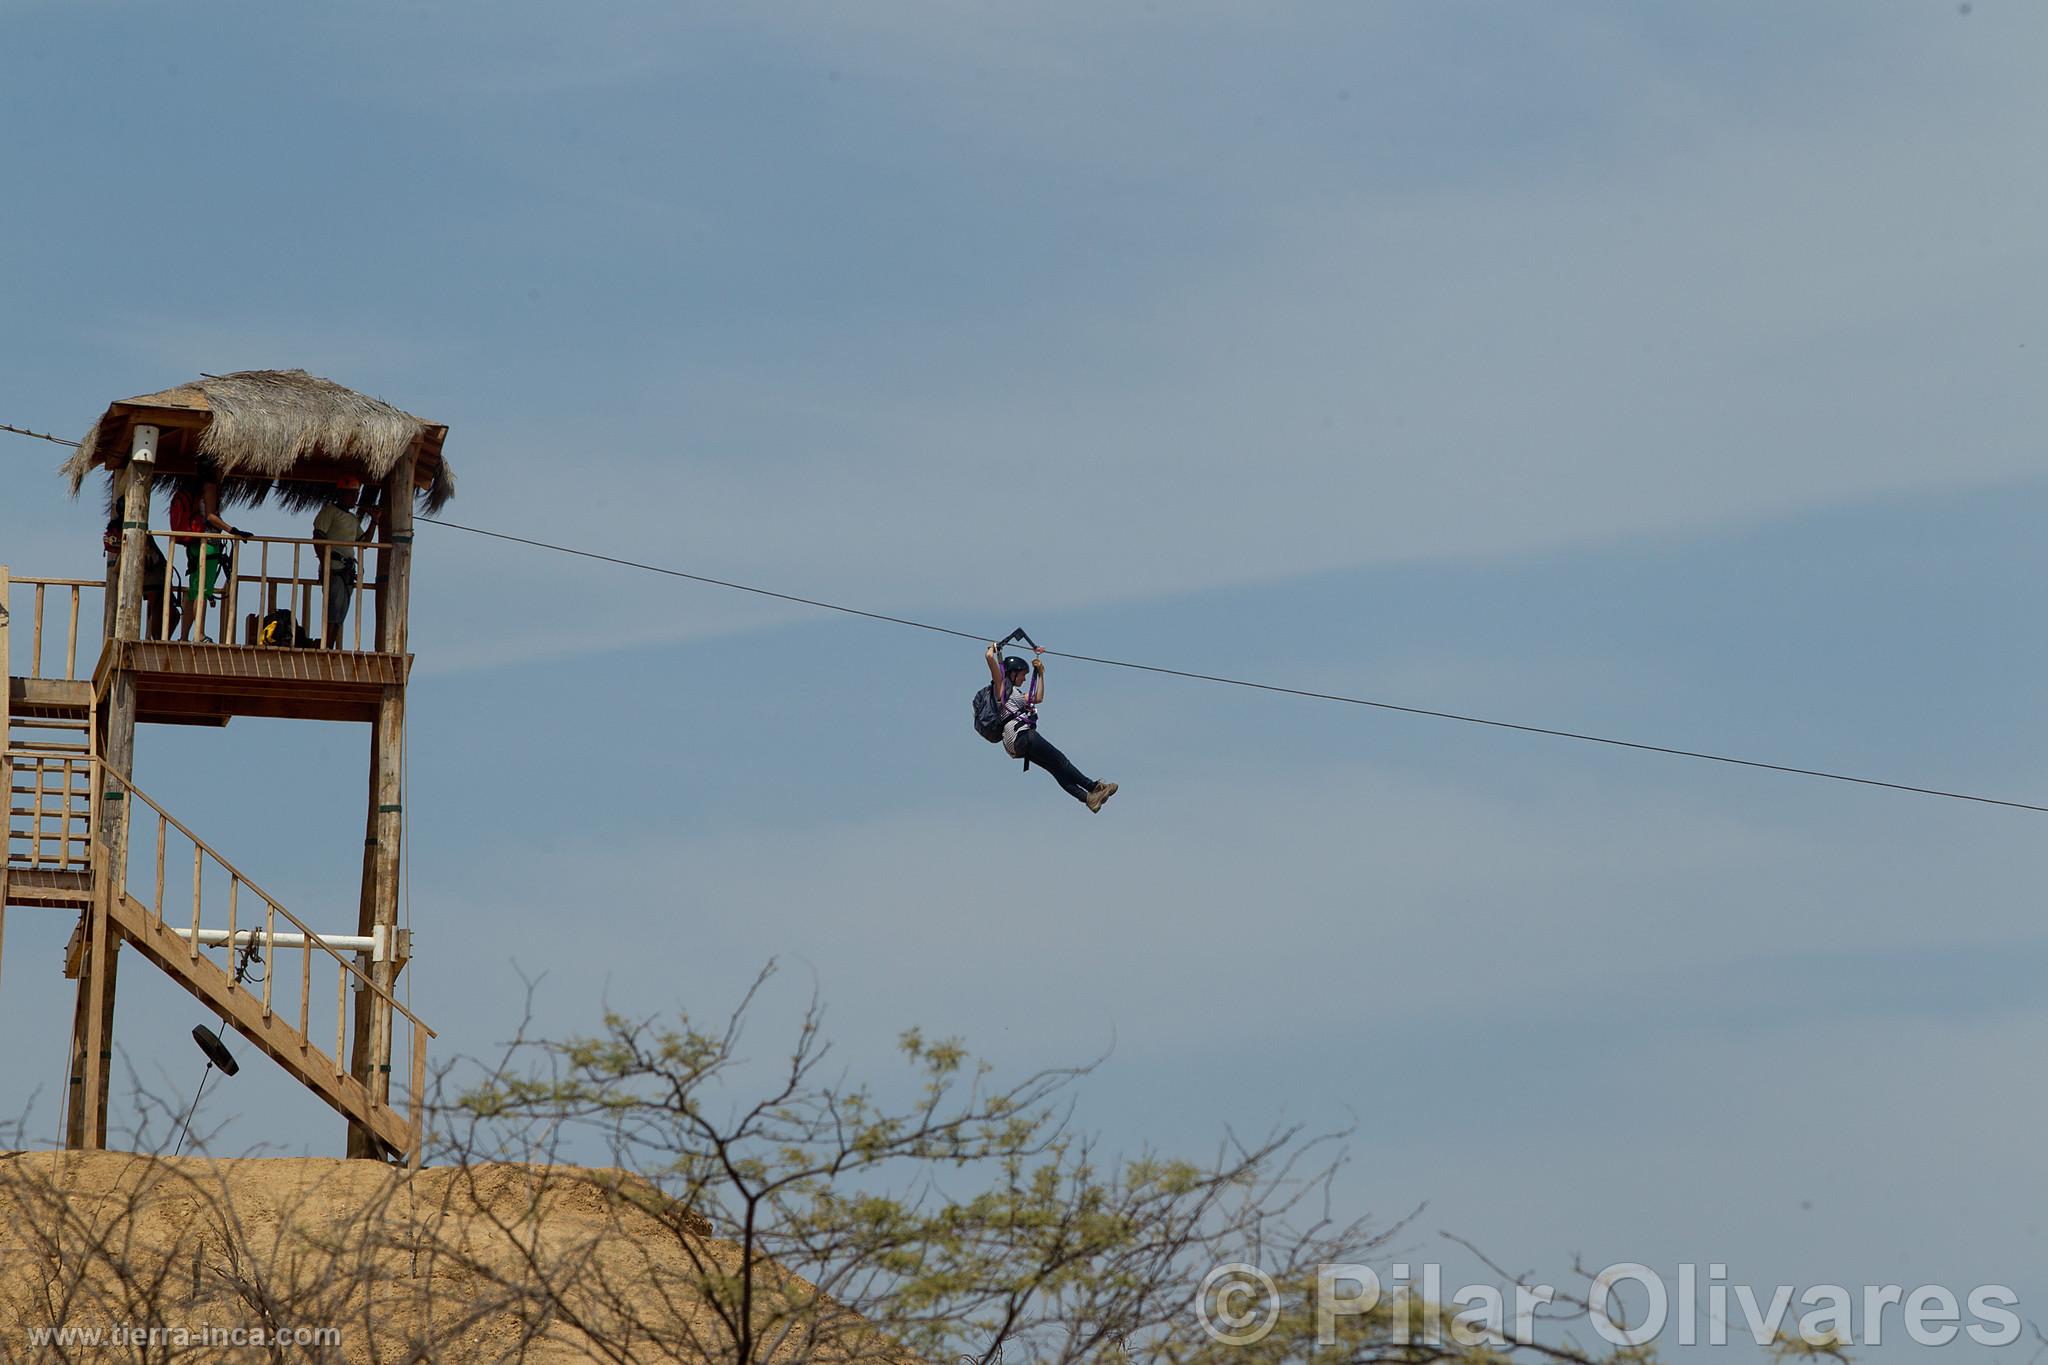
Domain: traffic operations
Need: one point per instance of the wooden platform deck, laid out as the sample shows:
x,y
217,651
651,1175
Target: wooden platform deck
x,y
39,886
49,698
196,684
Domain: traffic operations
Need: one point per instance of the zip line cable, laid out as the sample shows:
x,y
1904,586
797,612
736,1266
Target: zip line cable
x,y
1518,726
39,435
1261,686
724,583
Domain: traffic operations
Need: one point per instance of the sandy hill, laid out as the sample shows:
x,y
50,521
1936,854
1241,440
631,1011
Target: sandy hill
x,y
486,1262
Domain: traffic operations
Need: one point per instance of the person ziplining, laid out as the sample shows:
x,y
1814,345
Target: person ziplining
x,y
1006,713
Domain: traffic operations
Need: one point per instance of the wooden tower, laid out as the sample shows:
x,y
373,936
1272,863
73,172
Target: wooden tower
x,y
190,634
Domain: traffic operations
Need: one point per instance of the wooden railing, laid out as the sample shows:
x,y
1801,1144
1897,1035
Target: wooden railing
x,y
253,920
258,575
44,611
49,811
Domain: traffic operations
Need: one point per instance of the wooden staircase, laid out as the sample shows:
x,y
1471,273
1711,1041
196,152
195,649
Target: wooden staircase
x,y
47,743
251,1015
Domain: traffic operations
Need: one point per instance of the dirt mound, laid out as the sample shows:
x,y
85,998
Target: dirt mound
x,y
358,1261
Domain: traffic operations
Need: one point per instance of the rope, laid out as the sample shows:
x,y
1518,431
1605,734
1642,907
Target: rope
x,y
192,1110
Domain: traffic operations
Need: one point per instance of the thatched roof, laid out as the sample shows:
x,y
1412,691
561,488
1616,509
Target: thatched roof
x,y
270,433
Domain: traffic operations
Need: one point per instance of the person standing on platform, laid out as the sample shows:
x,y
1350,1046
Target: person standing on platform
x,y
156,571
339,521
195,510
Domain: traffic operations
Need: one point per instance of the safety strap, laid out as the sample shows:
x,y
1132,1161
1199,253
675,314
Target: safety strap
x,y
1037,650
1026,723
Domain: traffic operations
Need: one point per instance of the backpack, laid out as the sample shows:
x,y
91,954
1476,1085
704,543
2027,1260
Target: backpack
x,y
185,513
278,628
988,714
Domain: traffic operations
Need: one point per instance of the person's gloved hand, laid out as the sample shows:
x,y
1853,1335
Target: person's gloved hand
x,y
240,534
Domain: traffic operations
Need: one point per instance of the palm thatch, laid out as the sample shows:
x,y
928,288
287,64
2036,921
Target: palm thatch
x,y
270,433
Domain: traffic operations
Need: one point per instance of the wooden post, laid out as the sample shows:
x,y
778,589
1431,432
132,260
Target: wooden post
x,y
390,843
141,477
97,984
92,1028
74,1096
6,764
110,600
370,1061
395,564
360,1143
384,829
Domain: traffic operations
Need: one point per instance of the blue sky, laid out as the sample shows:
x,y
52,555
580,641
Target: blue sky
x,y
1672,372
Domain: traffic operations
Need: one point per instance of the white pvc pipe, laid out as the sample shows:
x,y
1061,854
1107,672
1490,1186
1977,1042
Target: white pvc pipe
x,y
342,943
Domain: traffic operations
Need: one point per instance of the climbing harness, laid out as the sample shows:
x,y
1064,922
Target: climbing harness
x,y
1029,718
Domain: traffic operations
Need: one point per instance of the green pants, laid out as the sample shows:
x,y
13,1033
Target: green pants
x,y
205,561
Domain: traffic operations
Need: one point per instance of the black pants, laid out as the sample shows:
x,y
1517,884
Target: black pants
x,y
341,589
1036,748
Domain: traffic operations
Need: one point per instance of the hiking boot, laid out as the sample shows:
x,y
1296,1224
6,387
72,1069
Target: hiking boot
x,y
1098,794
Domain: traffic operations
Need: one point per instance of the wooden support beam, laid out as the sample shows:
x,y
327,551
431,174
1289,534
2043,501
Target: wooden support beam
x,y
6,768
366,922
137,479
394,565
111,597
390,844
378,907
99,1021
74,1074
92,1027
371,1049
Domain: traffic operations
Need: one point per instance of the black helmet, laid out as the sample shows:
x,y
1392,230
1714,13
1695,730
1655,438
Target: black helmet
x,y
1015,664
